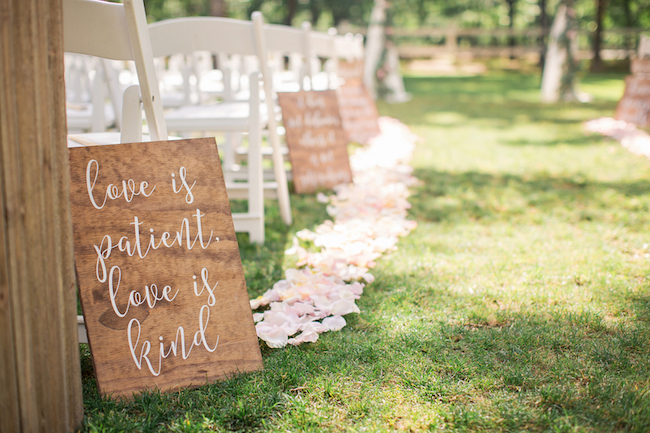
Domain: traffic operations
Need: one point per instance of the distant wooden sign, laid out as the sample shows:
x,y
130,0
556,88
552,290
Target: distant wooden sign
x,y
358,110
160,277
640,66
317,142
634,107
351,71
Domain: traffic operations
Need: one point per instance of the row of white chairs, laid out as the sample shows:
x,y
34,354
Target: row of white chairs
x,y
119,32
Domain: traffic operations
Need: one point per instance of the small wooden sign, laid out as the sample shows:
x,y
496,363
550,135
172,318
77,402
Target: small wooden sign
x,y
634,110
351,71
358,111
640,66
637,86
634,106
160,277
317,142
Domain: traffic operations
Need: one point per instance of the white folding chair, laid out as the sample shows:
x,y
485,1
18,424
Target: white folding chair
x,y
117,32
278,42
86,106
284,41
321,46
349,46
225,36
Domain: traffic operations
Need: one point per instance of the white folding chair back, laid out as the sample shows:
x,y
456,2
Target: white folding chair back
x,y
86,106
321,46
117,32
281,41
349,46
224,36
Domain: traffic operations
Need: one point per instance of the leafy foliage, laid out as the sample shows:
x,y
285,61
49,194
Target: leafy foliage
x,y
410,13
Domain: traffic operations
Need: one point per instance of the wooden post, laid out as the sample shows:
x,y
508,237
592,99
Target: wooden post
x,y
40,380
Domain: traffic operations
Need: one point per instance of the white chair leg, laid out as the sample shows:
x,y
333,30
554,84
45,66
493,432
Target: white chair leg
x,y
280,174
278,160
98,122
229,157
131,115
255,175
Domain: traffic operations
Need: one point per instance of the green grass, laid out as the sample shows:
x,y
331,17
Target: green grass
x,y
520,303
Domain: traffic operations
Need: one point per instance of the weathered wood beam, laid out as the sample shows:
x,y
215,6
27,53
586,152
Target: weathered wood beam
x,y
40,380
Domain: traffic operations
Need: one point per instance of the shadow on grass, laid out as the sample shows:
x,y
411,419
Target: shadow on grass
x,y
263,263
472,195
559,373
577,141
511,371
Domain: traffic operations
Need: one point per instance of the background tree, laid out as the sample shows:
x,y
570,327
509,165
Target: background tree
x,y
597,62
218,8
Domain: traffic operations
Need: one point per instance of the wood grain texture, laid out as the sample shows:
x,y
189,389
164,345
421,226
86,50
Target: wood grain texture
x,y
210,253
316,140
358,110
41,377
634,106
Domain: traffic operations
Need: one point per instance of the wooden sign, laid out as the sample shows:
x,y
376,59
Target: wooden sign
x,y
634,110
351,71
317,142
634,107
358,111
640,66
160,277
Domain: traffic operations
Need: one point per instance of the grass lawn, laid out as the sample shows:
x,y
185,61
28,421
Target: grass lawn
x,y
521,301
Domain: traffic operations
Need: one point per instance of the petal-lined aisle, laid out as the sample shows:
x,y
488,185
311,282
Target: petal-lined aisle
x,y
633,139
369,217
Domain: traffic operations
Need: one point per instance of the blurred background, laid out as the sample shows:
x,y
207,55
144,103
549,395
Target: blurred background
x,y
434,36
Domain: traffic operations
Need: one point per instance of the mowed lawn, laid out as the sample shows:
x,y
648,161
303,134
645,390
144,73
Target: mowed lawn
x,y
520,303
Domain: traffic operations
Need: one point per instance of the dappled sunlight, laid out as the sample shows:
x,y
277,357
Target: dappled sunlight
x,y
519,303
445,118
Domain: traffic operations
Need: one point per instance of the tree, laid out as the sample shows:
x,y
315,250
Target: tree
x,y
543,23
291,6
597,62
218,8
511,22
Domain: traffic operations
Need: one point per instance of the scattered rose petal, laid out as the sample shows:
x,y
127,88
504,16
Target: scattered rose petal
x,y
334,323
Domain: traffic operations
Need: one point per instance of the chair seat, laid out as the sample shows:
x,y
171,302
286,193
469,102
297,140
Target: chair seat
x,y
239,190
177,99
222,116
102,138
80,116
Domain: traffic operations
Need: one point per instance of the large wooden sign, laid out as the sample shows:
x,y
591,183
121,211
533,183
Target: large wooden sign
x,y
160,277
358,111
634,107
317,142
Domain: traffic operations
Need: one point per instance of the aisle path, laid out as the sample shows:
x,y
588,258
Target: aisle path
x,y
369,217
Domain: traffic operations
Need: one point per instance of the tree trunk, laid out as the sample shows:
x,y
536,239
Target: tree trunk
x,y
559,80
597,62
292,7
375,43
315,7
218,8
629,22
40,377
543,23
511,16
